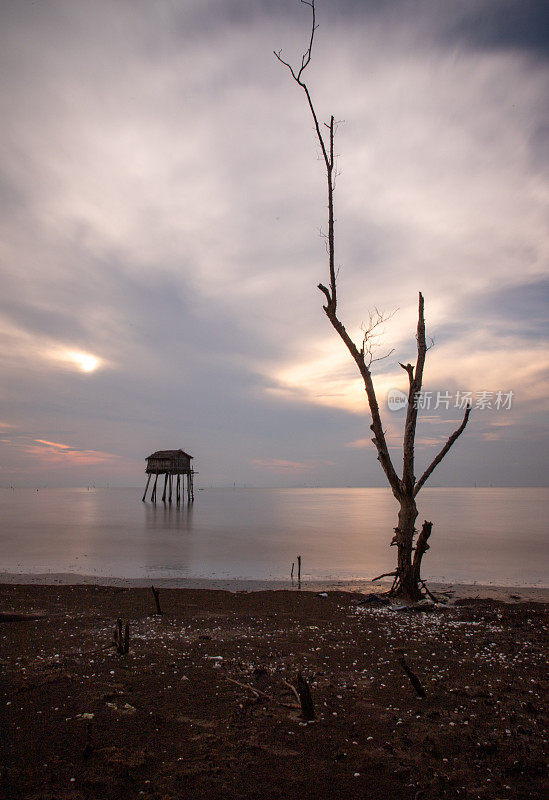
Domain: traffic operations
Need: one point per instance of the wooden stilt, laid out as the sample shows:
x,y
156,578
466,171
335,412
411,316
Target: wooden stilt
x,y
165,486
178,489
192,486
188,487
146,487
153,495
170,479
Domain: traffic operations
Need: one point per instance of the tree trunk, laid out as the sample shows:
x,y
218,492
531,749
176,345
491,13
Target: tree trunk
x,y
408,572
406,583
421,549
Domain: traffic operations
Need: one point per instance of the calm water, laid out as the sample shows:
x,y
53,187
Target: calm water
x,y
480,535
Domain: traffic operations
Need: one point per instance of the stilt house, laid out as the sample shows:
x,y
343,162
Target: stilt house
x,y
170,463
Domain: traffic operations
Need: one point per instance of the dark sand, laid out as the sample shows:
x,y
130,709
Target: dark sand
x,y
200,707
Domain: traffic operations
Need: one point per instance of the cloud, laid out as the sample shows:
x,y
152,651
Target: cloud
x,y
50,453
280,464
359,443
162,201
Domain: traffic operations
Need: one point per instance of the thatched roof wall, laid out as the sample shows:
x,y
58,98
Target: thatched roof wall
x,y
172,462
169,454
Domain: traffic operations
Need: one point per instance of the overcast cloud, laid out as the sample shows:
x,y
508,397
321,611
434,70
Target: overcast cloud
x,y
161,199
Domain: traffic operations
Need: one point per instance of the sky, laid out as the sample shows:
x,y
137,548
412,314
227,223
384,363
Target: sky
x,y
161,237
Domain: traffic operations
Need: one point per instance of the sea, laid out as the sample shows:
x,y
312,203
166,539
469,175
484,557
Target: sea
x,y
487,536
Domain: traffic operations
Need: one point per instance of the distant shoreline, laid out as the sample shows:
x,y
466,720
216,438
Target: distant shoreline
x,y
227,487
510,594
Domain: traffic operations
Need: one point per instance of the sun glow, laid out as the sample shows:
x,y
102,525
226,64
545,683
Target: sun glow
x,y
84,362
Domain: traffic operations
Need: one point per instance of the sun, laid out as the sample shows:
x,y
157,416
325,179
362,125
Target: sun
x,y
86,362
80,360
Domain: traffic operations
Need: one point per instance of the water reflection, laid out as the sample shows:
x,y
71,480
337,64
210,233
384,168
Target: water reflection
x,y
484,535
170,517
167,546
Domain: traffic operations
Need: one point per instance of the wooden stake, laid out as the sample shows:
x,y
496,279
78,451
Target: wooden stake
x,y
165,485
178,489
153,495
304,692
146,487
156,594
299,570
89,748
118,637
122,642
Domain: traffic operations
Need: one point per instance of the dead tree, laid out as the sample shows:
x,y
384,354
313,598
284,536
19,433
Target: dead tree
x,y
405,488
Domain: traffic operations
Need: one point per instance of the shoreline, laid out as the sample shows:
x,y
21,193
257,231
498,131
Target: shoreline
x,y
455,591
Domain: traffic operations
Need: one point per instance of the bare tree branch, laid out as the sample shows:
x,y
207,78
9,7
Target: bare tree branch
x,y
385,575
405,489
330,294
409,369
370,335
443,452
416,380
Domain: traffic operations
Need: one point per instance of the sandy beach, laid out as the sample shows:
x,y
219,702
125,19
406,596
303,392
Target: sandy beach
x,y
452,591
203,704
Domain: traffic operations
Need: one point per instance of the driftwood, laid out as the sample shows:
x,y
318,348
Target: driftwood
x,y
9,616
414,680
429,593
259,693
293,691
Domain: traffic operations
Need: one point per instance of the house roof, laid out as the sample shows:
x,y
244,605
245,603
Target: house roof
x,y
169,454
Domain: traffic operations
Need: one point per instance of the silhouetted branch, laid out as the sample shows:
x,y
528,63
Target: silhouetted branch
x,y
443,452
385,575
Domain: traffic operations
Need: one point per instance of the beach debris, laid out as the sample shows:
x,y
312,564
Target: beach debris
x,y
8,616
259,693
414,680
156,594
126,709
420,606
261,675
122,642
322,594
427,591
373,599
305,698
88,747
293,690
